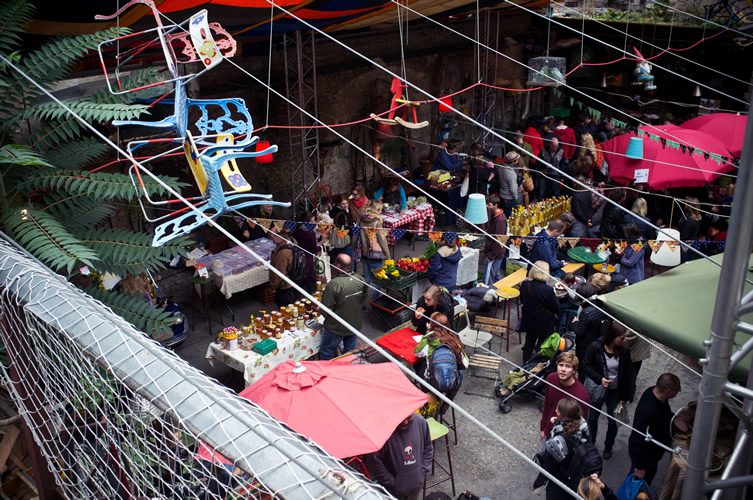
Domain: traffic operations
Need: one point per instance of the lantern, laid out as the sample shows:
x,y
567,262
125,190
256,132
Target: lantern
x,y
261,146
445,104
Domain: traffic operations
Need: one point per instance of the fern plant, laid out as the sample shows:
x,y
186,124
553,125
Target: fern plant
x,y
50,200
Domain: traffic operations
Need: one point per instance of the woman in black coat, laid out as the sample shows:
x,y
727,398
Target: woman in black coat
x,y
540,308
607,363
434,299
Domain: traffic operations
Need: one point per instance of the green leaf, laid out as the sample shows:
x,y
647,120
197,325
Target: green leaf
x,y
19,154
135,310
48,239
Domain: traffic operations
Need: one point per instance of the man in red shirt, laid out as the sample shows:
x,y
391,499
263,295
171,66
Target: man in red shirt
x,y
562,384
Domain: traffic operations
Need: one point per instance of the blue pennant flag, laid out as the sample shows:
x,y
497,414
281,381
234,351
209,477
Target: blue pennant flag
x,y
356,230
398,233
308,226
290,225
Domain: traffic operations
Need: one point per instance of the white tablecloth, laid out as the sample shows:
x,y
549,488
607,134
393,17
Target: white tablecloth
x,y
296,346
468,266
234,270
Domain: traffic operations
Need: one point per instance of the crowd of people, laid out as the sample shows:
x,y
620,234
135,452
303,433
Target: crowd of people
x,y
596,374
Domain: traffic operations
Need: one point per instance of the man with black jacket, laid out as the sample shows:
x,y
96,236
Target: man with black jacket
x,y
582,209
653,416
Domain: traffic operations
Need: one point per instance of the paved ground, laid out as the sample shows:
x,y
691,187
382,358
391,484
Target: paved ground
x,y
482,464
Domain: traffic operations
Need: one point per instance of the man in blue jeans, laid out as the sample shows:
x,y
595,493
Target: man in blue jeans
x,y
345,295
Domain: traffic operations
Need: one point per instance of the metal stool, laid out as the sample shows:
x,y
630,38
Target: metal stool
x,y
438,430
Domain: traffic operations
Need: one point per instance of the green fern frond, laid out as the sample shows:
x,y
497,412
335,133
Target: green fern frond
x,y
57,132
14,14
100,186
47,239
122,251
52,60
78,212
78,153
19,154
92,112
135,310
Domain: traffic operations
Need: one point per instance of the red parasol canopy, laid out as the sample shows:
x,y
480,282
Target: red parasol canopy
x,y
674,157
347,409
729,128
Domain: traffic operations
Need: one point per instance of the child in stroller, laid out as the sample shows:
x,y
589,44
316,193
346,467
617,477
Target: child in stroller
x,y
529,379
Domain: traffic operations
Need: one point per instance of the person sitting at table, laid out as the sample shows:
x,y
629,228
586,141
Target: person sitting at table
x,y
443,265
434,299
342,221
392,193
449,159
545,247
440,335
540,308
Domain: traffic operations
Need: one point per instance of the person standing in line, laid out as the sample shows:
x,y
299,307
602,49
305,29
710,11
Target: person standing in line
x,y
282,260
345,295
607,363
405,459
540,308
562,384
494,252
653,416
545,247
507,177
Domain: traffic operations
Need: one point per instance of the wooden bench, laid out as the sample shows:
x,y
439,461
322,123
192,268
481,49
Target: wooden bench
x,y
572,267
512,280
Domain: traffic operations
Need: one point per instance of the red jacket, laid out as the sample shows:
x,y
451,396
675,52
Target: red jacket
x,y
567,141
532,137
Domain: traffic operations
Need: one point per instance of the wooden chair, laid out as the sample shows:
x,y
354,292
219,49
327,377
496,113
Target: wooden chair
x,y
496,327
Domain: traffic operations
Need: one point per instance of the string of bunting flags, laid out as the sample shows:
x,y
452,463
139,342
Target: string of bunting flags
x,y
468,238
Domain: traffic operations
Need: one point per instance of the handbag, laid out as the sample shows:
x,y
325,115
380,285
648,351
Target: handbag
x,y
340,238
596,392
631,487
621,413
527,183
465,186
323,267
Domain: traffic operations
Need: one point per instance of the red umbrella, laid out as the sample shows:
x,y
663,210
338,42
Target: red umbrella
x,y
729,128
677,161
347,409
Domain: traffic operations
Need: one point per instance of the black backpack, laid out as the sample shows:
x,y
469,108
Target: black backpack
x,y
584,461
298,269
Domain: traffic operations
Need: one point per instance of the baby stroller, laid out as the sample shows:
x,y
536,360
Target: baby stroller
x,y
529,380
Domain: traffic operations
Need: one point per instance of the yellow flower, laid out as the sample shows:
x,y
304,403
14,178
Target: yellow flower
x,y
389,262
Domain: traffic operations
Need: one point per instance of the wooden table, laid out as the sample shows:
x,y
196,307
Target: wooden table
x,y
512,280
572,267
604,268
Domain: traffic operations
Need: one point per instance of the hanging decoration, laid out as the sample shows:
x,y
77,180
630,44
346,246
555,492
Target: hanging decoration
x,y
212,143
642,72
399,100
546,71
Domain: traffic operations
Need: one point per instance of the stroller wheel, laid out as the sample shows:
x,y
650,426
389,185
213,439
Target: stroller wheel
x,y
505,408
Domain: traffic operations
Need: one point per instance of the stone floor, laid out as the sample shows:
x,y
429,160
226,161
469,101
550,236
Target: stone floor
x,y
482,464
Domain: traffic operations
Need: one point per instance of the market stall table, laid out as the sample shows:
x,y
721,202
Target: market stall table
x,y
449,196
402,343
295,346
419,219
235,270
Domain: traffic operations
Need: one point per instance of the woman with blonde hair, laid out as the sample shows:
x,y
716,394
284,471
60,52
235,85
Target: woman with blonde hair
x,y
434,299
640,218
600,281
592,488
540,308
588,148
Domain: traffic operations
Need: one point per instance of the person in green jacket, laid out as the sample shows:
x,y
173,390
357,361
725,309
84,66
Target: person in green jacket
x,y
345,294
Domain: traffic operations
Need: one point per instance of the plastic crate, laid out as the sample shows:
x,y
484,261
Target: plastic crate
x,y
401,283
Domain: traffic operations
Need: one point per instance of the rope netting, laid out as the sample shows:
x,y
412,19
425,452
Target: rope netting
x,y
117,416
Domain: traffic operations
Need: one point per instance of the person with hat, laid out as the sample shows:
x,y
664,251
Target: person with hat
x,y
509,189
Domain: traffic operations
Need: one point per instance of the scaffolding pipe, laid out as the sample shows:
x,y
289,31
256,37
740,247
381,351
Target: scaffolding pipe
x,y
729,294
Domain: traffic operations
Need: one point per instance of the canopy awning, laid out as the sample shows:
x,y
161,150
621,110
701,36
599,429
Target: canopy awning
x,y
675,308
